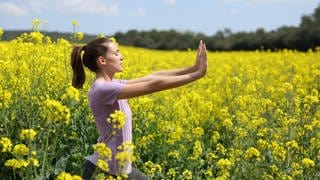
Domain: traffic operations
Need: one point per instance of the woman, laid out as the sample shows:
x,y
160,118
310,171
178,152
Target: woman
x,y
107,95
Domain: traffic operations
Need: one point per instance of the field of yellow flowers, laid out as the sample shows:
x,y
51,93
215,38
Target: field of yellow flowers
x,y
255,115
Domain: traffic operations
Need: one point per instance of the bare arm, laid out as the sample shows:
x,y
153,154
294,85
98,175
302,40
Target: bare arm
x,y
158,83
172,72
155,83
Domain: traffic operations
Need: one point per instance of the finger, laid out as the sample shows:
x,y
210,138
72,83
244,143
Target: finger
x,y
204,49
199,48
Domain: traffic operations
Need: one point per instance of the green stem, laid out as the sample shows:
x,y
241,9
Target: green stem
x,y
45,154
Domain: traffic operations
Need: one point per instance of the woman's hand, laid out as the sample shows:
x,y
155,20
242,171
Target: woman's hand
x,y
201,59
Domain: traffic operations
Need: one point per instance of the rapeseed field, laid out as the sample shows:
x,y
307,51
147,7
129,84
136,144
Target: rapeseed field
x,y
255,115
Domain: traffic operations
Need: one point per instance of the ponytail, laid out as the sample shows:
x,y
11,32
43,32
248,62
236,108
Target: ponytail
x,y
86,56
79,75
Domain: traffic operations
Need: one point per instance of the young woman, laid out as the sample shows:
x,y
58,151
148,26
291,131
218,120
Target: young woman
x,y
107,95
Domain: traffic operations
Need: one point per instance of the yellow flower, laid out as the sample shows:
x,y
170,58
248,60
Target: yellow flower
x,y
235,82
279,152
6,144
16,163
68,176
71,93
252,153
62,42
76,177
1,32
171,173
262,144
101,36
54,111
197,132
78,36
5,98
215,137
33,162
103,165
103,151
20,150
145,140
290,122
186,174
151,168
174,154
292,144
287,87
224,164
308,163
35,37
211,156
33,153
28,134
314,143
297,169
113,39
74,23
175,134
312,98
274,169
308,127
240,133
117,119
125,154
36,24
221,149
227,123
197,150
208,173
315,123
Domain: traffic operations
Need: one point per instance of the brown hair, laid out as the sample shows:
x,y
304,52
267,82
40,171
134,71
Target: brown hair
x,y
86,56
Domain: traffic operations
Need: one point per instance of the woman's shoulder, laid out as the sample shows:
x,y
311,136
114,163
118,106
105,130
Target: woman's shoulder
x,y
107,86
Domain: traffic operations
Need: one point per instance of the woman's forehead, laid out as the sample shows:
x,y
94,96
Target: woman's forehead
x,y
111,46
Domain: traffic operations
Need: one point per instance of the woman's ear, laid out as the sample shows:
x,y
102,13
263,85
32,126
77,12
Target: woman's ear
x,y
102,60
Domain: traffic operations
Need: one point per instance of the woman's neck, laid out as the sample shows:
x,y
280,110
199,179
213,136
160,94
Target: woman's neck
x,y
104,76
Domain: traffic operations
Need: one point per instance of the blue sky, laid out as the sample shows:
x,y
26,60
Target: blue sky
x,y
110,16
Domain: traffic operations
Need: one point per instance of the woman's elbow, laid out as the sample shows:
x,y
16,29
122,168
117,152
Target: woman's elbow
x,y
155,85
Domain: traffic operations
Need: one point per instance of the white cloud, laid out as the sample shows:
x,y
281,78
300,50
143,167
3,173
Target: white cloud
x,y
12,9
37,5
169,2
88,7
140,12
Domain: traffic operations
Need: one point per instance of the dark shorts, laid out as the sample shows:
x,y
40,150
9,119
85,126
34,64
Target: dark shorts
x,y
89,169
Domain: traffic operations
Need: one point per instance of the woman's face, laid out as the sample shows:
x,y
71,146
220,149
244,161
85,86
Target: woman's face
x,y
114,58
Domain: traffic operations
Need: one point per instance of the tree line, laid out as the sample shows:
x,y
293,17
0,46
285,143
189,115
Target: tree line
x,y
304,37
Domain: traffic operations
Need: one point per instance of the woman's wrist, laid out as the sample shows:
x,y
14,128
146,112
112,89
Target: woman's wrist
x,y
197,74
194,68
